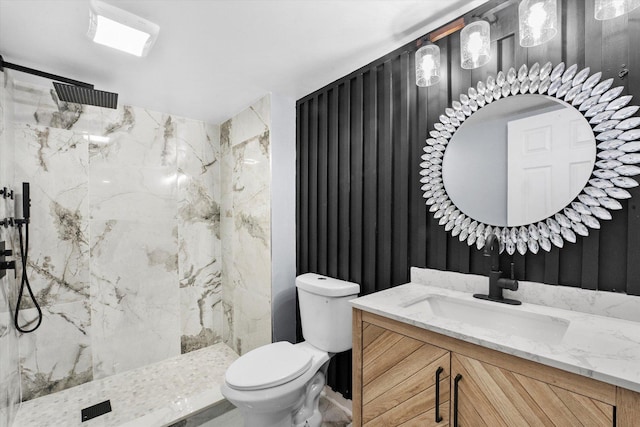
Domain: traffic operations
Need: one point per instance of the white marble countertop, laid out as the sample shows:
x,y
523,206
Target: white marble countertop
x,y
599,347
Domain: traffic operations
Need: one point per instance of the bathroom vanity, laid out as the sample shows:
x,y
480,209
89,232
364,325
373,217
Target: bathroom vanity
x,y
430,356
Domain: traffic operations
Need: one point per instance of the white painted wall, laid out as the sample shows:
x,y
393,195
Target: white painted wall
x,y
283,217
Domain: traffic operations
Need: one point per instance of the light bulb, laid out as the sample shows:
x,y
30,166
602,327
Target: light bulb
x,y
427,60
537,15
538,21
608,9
427,64
475,45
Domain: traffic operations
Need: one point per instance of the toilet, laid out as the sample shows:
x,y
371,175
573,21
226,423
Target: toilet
x,y
279,384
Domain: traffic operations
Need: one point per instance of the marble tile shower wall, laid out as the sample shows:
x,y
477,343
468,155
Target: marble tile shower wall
x,y
9,357
125,253
245,144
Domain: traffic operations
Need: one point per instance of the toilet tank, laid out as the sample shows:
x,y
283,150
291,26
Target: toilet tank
x,y
325,311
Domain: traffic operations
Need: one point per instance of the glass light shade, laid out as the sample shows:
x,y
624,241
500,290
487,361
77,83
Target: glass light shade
x,y
427,65
538,21
475,45
119,29
608,9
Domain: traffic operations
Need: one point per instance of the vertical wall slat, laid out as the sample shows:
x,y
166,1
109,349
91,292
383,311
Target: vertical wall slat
x,y
633,205
357,179
312,190
344,178
302,193
460,81
591,36
401,174
590,256
333,204
418,219
384,178
441,93
614,235
322,195
552,266
370,195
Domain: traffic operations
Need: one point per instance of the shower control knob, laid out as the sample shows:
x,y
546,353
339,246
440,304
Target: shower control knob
x,y
7,265
6,193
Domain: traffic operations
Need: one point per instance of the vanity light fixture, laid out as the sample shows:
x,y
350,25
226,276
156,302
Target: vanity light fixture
x,y
427,65
119,29
427,57
608,9
475,45
538,21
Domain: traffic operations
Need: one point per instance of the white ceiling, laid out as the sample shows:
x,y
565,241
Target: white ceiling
x,y
215,57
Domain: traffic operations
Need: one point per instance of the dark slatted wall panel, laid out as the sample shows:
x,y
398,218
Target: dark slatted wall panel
x,y
360,212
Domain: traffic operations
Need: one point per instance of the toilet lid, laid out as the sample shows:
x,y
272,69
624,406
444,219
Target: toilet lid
x,y
268,366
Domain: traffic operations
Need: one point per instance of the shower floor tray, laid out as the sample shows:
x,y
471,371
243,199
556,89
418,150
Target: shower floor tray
x,y
160,394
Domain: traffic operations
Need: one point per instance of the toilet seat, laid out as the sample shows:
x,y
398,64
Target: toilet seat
x,y
268,366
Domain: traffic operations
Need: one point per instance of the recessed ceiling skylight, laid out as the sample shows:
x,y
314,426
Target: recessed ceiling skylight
x,y
119,29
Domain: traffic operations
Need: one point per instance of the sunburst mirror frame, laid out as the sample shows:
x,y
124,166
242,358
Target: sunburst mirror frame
x,y
617,156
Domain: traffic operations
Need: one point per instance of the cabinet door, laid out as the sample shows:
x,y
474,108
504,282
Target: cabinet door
x,y
399,380
491,396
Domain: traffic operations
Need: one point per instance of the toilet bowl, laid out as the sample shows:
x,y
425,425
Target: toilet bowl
x,y
279,384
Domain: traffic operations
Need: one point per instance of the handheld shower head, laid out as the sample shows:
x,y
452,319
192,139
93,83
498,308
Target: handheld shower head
x,y
26,201
23,205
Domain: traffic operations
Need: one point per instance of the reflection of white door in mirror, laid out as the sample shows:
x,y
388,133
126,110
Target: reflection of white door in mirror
x,y
541,180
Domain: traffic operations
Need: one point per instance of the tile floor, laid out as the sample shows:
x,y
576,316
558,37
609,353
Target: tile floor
x,y
333,416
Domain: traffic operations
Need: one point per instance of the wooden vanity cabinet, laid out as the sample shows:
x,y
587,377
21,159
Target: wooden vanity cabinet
x,y
404,380
490,396
394,377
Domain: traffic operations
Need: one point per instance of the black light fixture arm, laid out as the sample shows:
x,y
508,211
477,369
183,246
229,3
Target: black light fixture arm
x,y
39,73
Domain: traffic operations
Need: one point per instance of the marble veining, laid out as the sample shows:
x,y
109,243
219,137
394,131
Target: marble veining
x,y
603,348
199,245
245,227
64,327
150,236
65,117
125,255
9,355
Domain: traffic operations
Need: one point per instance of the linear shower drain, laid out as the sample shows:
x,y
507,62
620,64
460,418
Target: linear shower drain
x,y
96,410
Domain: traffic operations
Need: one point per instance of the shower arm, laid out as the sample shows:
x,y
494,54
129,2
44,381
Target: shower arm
x,y
39,73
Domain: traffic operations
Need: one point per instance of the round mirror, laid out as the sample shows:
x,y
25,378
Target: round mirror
x,y
516,157
519,161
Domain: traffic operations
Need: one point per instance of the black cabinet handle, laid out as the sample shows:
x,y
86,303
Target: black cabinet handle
x,y
438,372
455,399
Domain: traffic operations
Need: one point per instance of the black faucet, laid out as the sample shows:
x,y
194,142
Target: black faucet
x,y
496,282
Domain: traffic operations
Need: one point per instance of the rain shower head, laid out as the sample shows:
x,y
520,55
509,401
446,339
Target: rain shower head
x,y
74,91
87,96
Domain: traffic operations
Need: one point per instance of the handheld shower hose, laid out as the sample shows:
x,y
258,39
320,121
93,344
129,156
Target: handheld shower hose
x,y
24,250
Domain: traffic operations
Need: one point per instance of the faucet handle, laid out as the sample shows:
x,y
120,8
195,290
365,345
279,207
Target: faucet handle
x,y
510,284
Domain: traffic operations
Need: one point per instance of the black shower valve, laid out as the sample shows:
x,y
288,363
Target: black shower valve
x,y
7,222
6,193
7,265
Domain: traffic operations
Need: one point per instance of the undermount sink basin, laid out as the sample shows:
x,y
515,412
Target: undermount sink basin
x,y
496,317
